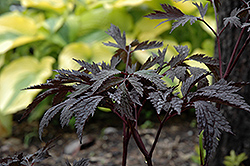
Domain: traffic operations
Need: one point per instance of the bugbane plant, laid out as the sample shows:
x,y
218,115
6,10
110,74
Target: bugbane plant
x,y
125,91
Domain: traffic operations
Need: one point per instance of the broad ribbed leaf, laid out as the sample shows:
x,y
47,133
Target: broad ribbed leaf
x,y
153,77
82,110
100,77
115,33
212,122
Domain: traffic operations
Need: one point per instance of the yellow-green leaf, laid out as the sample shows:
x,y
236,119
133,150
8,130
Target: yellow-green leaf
x,y
19,74
58,6
73,50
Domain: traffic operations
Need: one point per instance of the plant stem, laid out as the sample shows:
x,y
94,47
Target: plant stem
x,y
128,56
218,38
238,56
157,135
126,138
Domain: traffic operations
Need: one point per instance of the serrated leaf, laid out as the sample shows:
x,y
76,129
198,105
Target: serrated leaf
x,y
109,83
82,110
131,69
87,66
190,82
48,115
151,61
100,77
148,45
221,92
233,19
123,101
160,100
171,13
201,9
179,72
153,77
176,104
210,62
182,21
212,122
114,62
82,162
136,84
183,53
246,25
115,33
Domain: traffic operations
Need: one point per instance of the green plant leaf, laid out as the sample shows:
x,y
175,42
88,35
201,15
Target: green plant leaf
x,y
76,51
19,74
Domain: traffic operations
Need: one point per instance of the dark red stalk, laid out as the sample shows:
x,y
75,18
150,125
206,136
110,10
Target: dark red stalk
x,y
126,138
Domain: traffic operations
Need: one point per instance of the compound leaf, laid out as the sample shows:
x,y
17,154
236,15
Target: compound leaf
x,y
211,121
115,33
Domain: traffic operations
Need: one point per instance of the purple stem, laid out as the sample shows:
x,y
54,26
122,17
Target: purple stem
x,y
158,134
238,56
126,138
218,38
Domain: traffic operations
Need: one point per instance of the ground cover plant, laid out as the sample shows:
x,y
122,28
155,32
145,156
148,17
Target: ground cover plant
x,y
124,86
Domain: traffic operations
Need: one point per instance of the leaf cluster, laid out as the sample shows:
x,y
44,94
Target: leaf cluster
x,y
27,160
79,92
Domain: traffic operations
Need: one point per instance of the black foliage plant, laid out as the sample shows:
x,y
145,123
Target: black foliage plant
x,y
28,160
79,92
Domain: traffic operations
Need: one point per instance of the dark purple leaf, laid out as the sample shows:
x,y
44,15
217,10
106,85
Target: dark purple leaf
x,y
123,101
114,62
115,33
82,110
148,45
212,122
136,84
82,162
161,100
171,13
190,82
183,53
153,77
201,9
102,76
183,20
221,92
233,19
151,61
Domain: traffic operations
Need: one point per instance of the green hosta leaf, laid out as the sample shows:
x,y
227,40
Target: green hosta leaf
x,y
76,51
19,74
58,6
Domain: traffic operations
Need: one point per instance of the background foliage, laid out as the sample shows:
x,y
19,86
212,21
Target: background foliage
x,y
38,36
